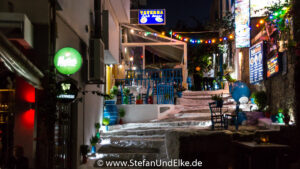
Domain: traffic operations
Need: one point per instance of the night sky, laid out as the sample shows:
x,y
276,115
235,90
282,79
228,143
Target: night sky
x,y
182,10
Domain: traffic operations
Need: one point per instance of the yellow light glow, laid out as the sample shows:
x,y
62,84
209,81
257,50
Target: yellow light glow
x,y
163,33
261,21
132,31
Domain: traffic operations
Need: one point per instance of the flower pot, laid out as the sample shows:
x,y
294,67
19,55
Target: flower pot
x,y
111,111
150,100
267,114
125,100
287,119
273,118
179,94
93,150
139,101
280,117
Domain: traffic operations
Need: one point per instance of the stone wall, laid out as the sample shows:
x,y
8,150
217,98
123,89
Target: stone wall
x,y
280,88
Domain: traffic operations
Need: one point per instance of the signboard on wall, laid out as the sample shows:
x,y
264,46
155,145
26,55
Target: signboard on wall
x,y
152,17
67,61
273,66
256,67
66,91
242,23
257,7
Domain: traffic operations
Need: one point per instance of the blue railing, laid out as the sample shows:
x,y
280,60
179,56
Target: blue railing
x,y
152,77
161,81
165,94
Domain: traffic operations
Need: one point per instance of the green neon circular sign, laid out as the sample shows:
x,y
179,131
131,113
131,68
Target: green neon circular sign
x,y
67,61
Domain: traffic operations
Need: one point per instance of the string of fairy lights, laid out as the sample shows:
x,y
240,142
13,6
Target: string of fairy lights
x,y
185,38
201,41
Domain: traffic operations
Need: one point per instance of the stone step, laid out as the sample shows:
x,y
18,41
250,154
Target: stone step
x,y
115,149
195,93
156,131
124,143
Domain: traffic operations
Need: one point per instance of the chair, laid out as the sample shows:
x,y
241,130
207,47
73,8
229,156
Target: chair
x,y
217,116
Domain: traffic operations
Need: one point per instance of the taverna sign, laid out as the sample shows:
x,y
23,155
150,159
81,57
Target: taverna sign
x,y
67,61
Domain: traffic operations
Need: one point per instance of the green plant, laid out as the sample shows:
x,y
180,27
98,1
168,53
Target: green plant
x,y
122,112
109,97
97,125
167,96
229,78
217,97
139,97
114,90
180,88
126,91
94,140
260,99
106,121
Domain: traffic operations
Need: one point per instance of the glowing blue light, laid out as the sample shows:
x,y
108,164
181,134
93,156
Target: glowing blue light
x,y
225,38
209,41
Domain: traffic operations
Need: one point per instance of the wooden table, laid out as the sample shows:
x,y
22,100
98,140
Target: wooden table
x,y
261,156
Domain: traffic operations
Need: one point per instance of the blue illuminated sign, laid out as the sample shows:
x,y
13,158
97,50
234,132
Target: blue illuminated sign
x,y
256,67
152,16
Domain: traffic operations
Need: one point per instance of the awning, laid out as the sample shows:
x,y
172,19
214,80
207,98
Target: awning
x,y
173,53
17,62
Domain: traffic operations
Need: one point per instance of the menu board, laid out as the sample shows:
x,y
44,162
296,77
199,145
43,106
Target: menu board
x,y
273,66
242,23
256,67
152,17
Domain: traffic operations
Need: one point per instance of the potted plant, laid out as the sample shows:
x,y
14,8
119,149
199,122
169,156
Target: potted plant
x,y
280,116
287,117
126,93
150,99
267,112
139,100
114,92
97,126
94,140
84,149
110,109
105,122
179,90
260,99
121,115
273,117
218,99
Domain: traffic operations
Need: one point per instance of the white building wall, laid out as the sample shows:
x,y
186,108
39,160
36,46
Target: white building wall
x,y
77,14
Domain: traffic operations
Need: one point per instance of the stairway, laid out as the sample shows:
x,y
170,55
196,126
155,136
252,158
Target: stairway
x,y
147,140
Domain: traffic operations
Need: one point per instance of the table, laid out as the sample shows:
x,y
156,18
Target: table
x,y
251,155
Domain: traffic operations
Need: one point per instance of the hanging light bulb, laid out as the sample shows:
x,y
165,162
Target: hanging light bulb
x,y
231,36
131,31
134,68
261,21
131,58
163,33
